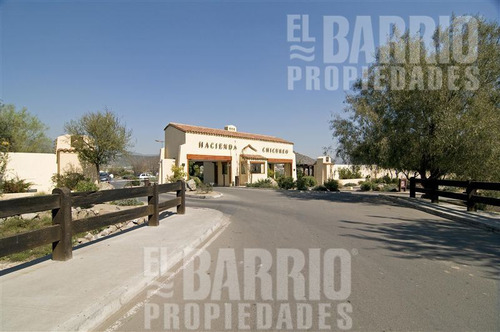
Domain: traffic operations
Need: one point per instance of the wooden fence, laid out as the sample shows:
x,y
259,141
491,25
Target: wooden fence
x,y
63,227
469,196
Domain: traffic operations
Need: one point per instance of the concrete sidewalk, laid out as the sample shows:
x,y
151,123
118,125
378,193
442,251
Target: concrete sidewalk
x,y
481,219
80,293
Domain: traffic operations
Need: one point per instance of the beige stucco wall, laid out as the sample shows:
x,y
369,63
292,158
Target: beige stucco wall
x,y
324,169
174,139
67,159
165,170
37,168
179,144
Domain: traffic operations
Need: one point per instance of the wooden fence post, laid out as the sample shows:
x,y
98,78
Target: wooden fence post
x,y
154,219
181,209
412,187
434,187
470,191
62,250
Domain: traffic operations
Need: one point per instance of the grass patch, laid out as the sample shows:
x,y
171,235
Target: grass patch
x,y
16,225
127,202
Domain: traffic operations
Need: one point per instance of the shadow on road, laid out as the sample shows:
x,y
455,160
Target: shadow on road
x,y
337,197
432,239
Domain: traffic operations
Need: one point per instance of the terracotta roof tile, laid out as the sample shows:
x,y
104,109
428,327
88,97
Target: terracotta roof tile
x,y
221,132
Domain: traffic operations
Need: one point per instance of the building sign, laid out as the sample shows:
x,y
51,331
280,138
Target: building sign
x,y
275,150
216,146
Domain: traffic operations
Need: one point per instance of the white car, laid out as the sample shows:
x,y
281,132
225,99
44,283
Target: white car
x,y
145,176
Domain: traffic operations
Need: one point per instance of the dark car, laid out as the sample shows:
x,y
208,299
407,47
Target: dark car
x,y
104,177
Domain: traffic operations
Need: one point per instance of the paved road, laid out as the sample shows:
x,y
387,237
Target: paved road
x,y
409,270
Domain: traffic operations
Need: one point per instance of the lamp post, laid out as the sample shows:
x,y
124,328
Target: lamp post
x,y
160,141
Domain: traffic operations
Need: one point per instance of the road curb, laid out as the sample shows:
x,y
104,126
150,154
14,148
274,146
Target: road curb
x,y
470,220
109,304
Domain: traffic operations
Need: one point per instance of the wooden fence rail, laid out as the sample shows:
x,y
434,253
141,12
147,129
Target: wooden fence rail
x,y
469,196
63,227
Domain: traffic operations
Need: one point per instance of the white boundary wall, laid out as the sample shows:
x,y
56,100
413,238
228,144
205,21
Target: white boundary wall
x,y
37,168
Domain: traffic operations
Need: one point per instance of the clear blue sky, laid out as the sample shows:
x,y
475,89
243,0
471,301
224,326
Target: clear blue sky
x,y
206,63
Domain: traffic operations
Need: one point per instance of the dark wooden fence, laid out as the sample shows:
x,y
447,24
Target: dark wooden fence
x,y
63,227
469,196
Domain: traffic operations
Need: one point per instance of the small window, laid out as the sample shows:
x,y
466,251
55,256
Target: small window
x,y
224,168
256,168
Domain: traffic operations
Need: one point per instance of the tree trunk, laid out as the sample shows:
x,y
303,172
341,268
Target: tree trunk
x,y
98,170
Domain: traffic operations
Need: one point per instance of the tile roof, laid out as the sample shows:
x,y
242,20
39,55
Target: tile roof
x,y
301,159
253,156
221,132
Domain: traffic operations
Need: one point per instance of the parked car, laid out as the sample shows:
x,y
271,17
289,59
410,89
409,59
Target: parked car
x,y
104,177
145,176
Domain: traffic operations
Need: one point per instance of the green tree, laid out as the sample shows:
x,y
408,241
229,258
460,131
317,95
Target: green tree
x,y
99,137
23,131
413,126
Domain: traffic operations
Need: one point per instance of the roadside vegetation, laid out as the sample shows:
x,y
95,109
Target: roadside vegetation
x,y
201,187
263,183
127,202
435,133
20,131
99,137
16,225
303,183
350,173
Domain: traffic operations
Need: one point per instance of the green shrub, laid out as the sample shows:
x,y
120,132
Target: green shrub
x,y
286,182
177,174
301,184
320,188
369,185
15,185
366,186
386,179
350,184
263,183
346,173
196,180
127,202
68,180
305,182
86,185
390,187
204,188
310,181
332,185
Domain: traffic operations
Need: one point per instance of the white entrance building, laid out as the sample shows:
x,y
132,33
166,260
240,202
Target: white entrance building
x,y
225,157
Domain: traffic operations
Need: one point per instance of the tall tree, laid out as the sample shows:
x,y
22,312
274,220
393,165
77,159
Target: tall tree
x,y
99,137
23,131
436,114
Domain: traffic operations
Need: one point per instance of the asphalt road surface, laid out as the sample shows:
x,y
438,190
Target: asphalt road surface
x,y
408,271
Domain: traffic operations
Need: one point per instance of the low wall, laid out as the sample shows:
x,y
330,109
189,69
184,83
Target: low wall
x,y
37,168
